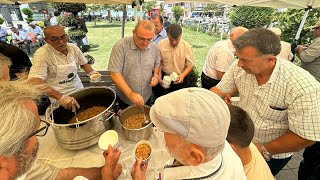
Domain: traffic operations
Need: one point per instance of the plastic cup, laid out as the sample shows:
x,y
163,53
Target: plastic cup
x,y
174,76
109,137
95,78
142,142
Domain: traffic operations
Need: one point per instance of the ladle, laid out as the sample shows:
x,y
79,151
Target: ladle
x,y
75,115
146,121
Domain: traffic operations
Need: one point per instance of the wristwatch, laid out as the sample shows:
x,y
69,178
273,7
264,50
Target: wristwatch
x,y
267,156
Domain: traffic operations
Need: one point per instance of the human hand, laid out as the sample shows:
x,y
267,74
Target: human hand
x,y
179,79
138,170
154,81
95,77
111,169
227,98
136,99
69,102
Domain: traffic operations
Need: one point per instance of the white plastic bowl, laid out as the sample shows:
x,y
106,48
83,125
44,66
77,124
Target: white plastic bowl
x,y
109,137
135,147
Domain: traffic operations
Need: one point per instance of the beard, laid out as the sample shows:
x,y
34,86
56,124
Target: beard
x,y
25,160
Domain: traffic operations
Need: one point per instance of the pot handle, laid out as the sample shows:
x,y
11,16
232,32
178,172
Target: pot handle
x,y
110,116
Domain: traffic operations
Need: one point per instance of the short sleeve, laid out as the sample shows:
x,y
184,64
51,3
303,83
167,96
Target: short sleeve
x,y
39,68
227,83
116,60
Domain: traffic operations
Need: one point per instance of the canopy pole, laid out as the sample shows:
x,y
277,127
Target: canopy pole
x,y
124,15
141,11
302,24
135,14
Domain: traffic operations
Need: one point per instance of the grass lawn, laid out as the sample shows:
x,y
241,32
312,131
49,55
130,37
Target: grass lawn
x,y
103,36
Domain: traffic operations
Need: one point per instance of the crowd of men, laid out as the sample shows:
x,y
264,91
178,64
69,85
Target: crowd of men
x,y
278,112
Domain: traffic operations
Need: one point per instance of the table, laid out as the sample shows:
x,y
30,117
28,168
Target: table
x,y
51,153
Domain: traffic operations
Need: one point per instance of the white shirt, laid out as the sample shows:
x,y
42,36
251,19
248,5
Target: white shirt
x,y
53,21
44,66
219,58
22,35
289,101
37,30
285,52
230,169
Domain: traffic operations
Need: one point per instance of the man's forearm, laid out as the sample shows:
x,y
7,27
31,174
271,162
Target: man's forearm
x,y
71,173
186,71
48,90
120,83
87,68
156,71
289,142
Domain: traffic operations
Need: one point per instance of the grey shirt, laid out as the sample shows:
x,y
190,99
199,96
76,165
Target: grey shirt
x,y
310,59
135,65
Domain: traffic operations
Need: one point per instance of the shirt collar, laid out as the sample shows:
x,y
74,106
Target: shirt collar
x,y
276,70
201,170
163,33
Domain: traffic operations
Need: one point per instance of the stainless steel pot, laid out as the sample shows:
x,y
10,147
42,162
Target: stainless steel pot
x,y
136,135
85,133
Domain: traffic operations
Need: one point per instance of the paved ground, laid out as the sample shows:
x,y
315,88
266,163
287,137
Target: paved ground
x,y
290,171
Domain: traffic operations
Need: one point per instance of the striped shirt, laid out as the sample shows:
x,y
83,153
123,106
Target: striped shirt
x,y
289,101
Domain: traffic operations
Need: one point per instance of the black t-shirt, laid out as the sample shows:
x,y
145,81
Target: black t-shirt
x,y
20,60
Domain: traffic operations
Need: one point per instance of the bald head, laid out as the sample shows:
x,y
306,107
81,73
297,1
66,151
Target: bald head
x,y
236,32
51,29
144,24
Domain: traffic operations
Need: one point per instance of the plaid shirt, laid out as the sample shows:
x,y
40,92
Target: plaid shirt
x,y
290,100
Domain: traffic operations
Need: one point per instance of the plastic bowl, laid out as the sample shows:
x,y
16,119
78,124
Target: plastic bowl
x,y
144,161
109,137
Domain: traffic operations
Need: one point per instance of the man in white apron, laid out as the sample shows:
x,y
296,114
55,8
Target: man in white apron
x,y
56,64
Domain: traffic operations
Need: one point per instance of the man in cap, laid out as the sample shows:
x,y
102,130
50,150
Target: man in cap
x,y
281,98
310,61
195,123
285,52
219,59
310,56
37,31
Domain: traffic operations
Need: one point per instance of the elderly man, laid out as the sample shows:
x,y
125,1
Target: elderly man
x,y
285,52
310,56
161,33
21,38
281,98
37,31
19,144
56,64
5,63
195,123
310,61
134,65
219,59
21,63
176,57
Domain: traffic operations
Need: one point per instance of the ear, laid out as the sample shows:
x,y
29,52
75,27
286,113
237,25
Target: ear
x,y
233,147
4,167
272,58
196,156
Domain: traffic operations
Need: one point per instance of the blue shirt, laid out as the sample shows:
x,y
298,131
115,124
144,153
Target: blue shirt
x,y
158,37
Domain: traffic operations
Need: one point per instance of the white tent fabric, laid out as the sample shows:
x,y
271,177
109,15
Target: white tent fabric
x,y
296,4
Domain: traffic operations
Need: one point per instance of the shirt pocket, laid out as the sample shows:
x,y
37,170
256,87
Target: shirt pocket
x,y
273,113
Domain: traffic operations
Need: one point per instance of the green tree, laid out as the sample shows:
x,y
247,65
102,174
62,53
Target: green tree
x,y
29,13
177,12
148,6
74,8
251,17
108,8
92,8
289,22
211,8
116,8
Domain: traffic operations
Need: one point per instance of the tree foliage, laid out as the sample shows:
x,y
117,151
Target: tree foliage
x,y
289,22
148,6
251,17
74,8
211,8
29,13
177,12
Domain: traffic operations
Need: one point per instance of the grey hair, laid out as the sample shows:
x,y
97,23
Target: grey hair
x,y
264,40
48,30
4,61
210,152
17,121
145,24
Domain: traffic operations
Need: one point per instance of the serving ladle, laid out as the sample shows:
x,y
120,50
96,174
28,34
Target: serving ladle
x,y
146,121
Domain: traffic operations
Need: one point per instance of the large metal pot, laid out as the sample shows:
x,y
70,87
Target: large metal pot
x,y
85,133
136,135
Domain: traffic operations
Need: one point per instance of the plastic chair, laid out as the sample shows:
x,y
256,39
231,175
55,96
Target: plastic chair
x,y
33,38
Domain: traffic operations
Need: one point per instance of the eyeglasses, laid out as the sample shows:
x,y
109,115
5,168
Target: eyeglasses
x,y
143,39
41,131
57,39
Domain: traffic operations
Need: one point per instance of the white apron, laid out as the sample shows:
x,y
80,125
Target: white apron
x,y
67,79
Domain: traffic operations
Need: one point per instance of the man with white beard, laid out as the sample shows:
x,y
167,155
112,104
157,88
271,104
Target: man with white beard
x,y
20,124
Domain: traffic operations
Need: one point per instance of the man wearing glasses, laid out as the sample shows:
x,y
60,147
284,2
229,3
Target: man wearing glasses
x,y
56,64
19,144
134,65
